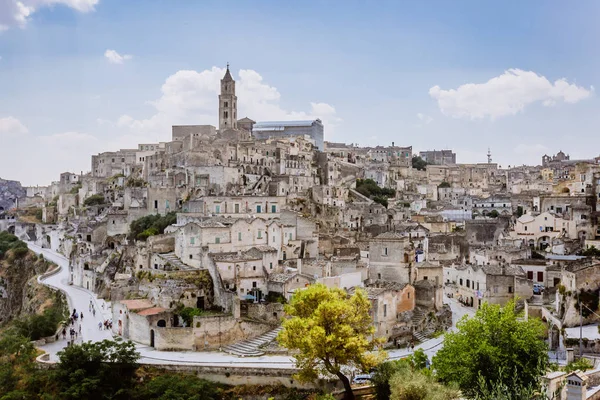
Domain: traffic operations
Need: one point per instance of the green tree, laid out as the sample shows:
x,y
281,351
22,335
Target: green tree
x,y
178,387
151,225
444,185
331,332
101,370
498,345
94,200
493,214
591,251
419,163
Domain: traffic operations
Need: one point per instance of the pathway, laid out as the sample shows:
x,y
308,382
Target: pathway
x,y
79,298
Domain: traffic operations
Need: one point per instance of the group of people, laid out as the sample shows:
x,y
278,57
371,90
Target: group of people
x,y
73,318
92,309
107,324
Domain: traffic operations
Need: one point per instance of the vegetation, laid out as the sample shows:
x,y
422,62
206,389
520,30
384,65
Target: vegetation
x,y
370,189
444,185
37,326
589,300
8,242
94,200
330,332
179,387
582,364
416,385
188,314
591,251
493,214
150,225
495,347
75,189
519,211
419,163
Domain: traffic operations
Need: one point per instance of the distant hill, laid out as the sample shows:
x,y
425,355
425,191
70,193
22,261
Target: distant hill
x,y
10,191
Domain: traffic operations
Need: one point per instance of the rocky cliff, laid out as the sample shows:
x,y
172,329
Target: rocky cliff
x,y
10,191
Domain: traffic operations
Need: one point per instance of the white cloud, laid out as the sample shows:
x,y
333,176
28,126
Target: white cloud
x,y
426,119
16,13
11,126
190,97
116,58
507,94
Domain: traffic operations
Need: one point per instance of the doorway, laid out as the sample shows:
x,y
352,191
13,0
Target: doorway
x,y
151,337
200,302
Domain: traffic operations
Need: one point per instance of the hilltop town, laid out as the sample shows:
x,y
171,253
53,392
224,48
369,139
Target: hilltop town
x,y
197,243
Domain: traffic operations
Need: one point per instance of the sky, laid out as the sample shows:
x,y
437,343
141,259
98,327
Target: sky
x,y
79,77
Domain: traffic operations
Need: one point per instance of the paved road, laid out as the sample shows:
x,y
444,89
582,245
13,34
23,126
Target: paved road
x,y
79,298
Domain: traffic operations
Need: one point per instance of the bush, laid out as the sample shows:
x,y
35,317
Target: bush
x,y
418,163
8,241
37,326
179,387
188,314
94,200
493,214
583,364
151,225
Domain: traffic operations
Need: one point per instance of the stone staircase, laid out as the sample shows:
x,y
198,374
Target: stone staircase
x,y
172,259
418,316
424,335
250,347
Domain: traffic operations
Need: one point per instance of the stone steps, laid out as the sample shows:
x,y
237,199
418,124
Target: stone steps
x,y
251,347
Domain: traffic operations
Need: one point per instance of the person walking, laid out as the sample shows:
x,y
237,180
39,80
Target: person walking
x,y
99,326
81,316
64,333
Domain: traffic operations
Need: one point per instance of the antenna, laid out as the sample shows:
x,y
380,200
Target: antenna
x,y
489,156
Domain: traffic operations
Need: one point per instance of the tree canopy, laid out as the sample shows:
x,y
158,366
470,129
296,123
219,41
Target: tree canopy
x,y
331,332
370,189
151,225
419,163
496,347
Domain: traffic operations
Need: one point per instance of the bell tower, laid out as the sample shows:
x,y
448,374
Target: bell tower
x,y
227,103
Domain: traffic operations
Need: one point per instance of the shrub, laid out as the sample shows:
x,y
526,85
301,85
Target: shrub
x,y
94,200
150,225
583,364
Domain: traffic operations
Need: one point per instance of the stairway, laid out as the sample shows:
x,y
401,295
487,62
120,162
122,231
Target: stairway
x,y
418,315
423,336
250,347
172,259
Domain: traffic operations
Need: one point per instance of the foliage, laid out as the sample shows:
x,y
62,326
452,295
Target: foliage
x,y
381,200
178,387
94,200
519,211
188,314
151,225
97,370
415,385
75,189
39,214
330,331
582,364
493,214
369,188
8,241
419,163
444,185
494,341
501,390
537,256
591,251
37,326
589,299
274,297
135,182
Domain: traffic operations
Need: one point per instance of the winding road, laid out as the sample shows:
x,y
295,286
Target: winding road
x,y
79,298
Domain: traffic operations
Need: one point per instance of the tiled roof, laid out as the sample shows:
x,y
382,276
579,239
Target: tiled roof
x,y
137,304
151,311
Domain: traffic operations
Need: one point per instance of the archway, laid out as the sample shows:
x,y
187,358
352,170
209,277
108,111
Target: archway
x,y
151,337
161,323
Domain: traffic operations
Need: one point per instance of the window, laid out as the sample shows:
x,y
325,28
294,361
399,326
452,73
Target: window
x,y
510,289
271,265
236,207
259,234
477,285
461,282
217,240
468,283
155,203
378,276
408,295
540,276
239,236
525,228
254,268
192,240
191,257
225,114
254,284
530,275
273,208
258,209
385,310
226,104
217,209
385,251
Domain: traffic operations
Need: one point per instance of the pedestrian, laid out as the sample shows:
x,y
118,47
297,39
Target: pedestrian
x,y
413,347
79,328
99,326
64,332
82,316
94,311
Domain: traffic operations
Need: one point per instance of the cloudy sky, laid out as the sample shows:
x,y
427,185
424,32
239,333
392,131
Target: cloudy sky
x,y
79,77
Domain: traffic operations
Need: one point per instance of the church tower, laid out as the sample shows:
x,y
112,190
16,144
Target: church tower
x,y
227,103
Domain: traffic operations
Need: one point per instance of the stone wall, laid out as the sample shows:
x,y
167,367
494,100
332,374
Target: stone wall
x,y
270,313
173,338
212,333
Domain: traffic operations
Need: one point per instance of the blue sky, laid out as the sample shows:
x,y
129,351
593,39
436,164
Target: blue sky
x,y
366,68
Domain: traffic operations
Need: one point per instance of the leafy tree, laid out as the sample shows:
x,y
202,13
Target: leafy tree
x,y
519,211
591,251
331,333
94,200
444,185
497,344
151,225
98,370
419,163
8,241
37,326
493,214
179,387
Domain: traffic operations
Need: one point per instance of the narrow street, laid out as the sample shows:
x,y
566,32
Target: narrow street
x,y
79,298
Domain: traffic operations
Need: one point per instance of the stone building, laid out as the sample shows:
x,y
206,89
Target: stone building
x,y
392,258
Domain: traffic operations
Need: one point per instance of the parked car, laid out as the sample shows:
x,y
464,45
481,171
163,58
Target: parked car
x,y
362,379
538,288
